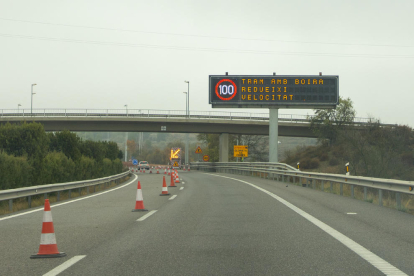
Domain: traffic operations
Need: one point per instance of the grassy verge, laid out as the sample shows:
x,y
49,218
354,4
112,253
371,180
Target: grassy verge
x,y
39,200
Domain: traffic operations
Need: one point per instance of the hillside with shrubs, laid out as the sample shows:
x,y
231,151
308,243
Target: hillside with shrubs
x,y
372,149
29,156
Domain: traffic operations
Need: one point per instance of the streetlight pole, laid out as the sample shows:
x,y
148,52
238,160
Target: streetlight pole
x,y
188,97
31,102
186,102
126,137
187,160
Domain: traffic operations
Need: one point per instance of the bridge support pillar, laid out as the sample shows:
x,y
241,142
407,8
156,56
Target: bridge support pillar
x,y
224,147
273,134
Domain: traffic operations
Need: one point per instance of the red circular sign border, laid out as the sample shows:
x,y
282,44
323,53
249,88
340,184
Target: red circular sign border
x,y
208,158
235,90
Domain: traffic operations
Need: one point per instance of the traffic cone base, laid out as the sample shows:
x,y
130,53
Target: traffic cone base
x,y
164,194
39,256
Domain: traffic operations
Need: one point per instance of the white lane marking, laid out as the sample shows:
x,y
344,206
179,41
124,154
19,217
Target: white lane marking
x,y
65,265
181,188
183,183
71,201
171,198
147,215
351,213
382,265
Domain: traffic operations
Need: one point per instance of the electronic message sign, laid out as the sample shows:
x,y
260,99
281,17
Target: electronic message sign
x,y
239,91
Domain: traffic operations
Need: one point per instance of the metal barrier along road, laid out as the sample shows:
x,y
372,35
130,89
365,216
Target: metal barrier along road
x,y
51,188
285,173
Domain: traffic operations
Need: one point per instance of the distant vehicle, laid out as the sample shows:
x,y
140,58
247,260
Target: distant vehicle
x,y
143,165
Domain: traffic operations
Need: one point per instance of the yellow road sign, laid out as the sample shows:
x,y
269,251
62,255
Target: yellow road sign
x,y
175,153
175,164
240,151
206,158
198,150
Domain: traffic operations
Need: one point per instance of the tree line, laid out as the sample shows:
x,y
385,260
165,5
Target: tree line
x,y
29,156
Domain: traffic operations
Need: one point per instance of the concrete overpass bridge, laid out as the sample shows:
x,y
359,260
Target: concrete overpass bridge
x,y
147,120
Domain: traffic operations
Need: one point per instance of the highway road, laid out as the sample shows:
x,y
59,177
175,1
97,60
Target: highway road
x,y
217,224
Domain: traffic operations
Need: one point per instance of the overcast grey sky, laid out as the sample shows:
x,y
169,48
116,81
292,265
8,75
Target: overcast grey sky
x,y
105,54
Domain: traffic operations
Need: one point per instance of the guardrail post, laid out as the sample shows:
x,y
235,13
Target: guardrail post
x,y
29,201
313,183
331,188
11,205
379,197
45,196
341,188
322,185
70,193
58,196
365,193
352,191
80,191
398,200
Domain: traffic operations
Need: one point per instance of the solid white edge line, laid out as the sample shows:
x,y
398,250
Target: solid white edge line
x,y
71,201
147,215
376,261
171,198
65,265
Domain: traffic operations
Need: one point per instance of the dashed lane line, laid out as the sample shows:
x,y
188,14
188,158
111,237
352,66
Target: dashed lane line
x,y
65,265
150,213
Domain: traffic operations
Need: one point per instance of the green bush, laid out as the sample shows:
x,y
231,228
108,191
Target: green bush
x,y
333,161
15,172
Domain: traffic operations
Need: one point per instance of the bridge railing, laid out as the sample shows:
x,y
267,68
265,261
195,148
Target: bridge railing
x,y
155,113
285,173
28,192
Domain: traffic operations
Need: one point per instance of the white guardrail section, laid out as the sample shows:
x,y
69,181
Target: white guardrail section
x,y
11,194
154,113
285,173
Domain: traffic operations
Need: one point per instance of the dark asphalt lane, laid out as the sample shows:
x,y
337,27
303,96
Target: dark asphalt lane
x,y
215,226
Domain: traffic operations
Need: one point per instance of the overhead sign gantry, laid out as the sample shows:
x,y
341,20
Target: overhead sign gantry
x,y
273,92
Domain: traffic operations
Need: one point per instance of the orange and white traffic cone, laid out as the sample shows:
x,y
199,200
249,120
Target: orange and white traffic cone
x,y
48,247
164,188
188,168
172,184
158,171
177,178
139,204
165,171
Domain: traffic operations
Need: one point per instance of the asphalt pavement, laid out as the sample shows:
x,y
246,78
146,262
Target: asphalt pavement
x,y
217,224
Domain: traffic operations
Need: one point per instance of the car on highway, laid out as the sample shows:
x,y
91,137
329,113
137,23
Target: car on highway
x,y
143,165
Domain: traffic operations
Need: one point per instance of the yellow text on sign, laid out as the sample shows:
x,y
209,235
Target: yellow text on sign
x,y
174,154
241,151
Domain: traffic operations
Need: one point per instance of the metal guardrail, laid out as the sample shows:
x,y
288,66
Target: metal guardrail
x,y
285,173
11,194
154,113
